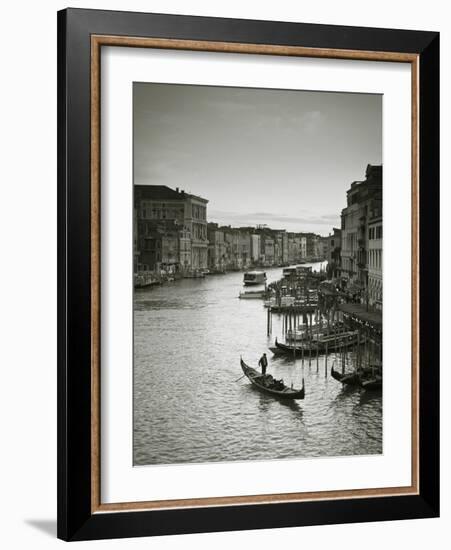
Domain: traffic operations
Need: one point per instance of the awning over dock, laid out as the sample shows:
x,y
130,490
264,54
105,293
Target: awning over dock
x,y
359,311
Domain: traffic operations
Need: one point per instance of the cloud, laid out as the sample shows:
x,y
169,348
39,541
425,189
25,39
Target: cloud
x,y
273,219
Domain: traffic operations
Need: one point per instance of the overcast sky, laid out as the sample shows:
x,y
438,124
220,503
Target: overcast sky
x,y
276,157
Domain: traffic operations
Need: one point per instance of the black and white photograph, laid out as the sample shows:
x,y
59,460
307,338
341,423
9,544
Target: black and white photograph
x,y
257,274
239,265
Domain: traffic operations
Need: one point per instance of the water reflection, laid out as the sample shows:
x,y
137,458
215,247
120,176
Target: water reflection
x,y
188,406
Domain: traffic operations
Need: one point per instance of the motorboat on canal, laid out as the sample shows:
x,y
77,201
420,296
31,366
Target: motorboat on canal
x,y
266,383
254,278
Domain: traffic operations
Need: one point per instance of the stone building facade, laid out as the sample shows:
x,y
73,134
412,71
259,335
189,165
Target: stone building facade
x,y
361,197
375,256
170,229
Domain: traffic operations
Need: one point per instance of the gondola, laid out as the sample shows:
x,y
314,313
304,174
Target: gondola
x,y
350,379
371,383
268,384
312,347
361,378
283,349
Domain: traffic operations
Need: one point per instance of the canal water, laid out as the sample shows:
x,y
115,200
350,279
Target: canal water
x,y
188,406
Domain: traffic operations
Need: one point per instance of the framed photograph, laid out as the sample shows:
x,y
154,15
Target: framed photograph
x,y
248,274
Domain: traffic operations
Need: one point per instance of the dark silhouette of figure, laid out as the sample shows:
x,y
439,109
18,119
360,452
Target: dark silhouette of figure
x,y
263,363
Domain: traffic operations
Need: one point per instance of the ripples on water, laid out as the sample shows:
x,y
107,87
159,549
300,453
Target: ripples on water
x,y
188,339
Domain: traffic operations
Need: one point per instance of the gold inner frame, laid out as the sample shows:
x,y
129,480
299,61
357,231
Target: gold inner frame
x,y
97,41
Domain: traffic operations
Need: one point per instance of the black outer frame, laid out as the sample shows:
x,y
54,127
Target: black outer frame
x,y
75,520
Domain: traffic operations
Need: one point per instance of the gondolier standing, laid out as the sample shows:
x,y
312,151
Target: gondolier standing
x,y
263,363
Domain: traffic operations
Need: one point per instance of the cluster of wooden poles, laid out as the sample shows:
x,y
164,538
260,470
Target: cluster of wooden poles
x,y
367,349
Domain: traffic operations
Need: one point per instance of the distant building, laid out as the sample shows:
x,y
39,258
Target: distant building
x,y
312,247
296,248
267,248
255,248
292,252
323,246
231,239
333,253
302,240
279,236
244,248
196,222
361,197
216,248
285,248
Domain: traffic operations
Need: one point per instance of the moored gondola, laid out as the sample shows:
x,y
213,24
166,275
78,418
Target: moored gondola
x,y
371,383
350,379
363,378
267,384
315,345
284,349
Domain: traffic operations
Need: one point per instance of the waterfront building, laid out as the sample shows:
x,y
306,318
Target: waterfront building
x,y
375,256
311,246
333,253
255,248
216,248
284,248
291,248
354,229
278,247
196,221
244,248
231,239
267,248
323,245
159,203
302,247
185,252
159,247
296,248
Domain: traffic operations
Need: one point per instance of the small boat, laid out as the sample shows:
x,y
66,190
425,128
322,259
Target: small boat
x,y
372,383
371,377
267,384
251,294
142,280
316,343
289,272
283,349
254,278
194,274
350,378
363,378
